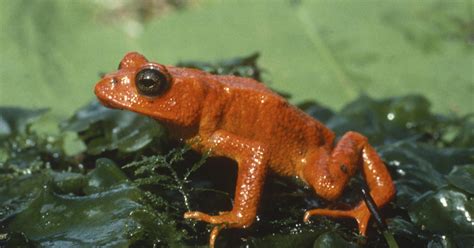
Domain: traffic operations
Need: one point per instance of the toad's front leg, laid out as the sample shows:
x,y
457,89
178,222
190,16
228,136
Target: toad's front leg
x,y
252,159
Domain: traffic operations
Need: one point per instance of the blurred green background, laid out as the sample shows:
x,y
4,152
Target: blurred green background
x,y
52,51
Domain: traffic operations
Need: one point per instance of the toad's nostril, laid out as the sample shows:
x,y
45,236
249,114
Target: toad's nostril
x,y
113,81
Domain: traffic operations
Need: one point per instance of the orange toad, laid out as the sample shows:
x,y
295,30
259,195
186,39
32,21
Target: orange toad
x,y
241,119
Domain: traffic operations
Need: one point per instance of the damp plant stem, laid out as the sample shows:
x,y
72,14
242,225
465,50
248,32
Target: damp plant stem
x,y
372,206
392,243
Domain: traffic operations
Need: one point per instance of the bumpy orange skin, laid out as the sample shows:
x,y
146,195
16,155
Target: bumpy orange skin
x,y
242,119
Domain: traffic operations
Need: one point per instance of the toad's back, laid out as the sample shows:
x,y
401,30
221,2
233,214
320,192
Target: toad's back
x,y
254,112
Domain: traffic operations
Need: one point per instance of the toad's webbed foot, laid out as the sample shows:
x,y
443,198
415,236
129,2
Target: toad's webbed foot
x,y
360,213
221,221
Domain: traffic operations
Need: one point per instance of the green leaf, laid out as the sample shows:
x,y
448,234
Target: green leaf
x,y
72,144
15,239
418,167
70,209
241,66
464,240
385,121
303,239
17,192
17,120
398,48
316,110
67,182
103,129
406,229
444,211
61,220
331,239
104,176
443,242
462,177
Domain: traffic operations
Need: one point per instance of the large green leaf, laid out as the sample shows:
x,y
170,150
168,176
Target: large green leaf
x,y
53,51
79,221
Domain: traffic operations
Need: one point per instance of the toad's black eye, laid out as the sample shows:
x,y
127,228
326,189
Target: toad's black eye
x,y
151,82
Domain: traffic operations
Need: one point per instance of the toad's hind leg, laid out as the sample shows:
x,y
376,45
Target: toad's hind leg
x,y
329,174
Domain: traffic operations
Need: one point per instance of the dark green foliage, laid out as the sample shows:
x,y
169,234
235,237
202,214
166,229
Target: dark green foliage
x,y
104,129
461,177
14,121
23,151
242,67
129,186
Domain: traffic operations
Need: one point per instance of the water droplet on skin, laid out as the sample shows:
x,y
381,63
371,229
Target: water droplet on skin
x,y
171,102
125,80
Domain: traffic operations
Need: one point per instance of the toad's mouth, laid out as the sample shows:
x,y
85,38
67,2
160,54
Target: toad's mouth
x,y
109,104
